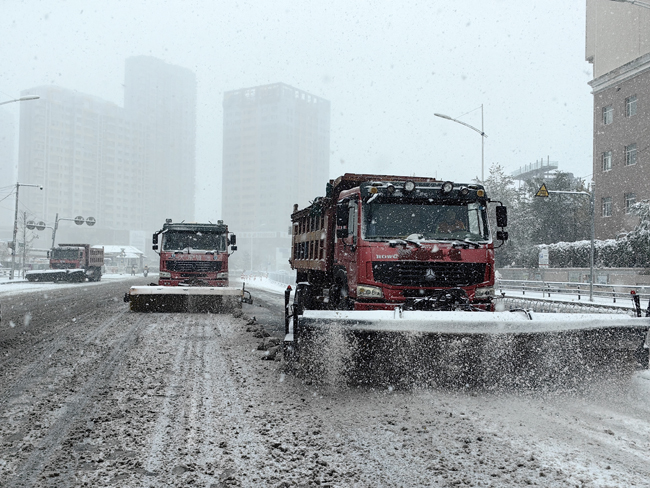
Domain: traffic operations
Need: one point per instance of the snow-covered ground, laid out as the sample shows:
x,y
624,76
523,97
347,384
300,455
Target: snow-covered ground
x,y
18,286
95,395
263,283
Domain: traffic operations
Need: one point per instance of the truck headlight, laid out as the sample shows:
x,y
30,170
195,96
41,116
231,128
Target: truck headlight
x,y
222,276
484,292
365,291
164,274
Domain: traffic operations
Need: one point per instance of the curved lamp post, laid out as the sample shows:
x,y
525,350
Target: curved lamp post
x,y
634,2
480,131
21,99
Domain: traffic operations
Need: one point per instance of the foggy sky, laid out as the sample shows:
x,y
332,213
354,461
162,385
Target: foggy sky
x,y
385,66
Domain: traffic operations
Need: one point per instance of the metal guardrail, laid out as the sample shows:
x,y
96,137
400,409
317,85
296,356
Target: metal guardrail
x,y
612,293
547,305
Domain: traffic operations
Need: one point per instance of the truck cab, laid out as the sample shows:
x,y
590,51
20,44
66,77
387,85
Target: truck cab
x,y
193,254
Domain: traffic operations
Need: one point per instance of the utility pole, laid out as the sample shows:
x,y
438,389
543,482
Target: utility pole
x,y
24,242
13,251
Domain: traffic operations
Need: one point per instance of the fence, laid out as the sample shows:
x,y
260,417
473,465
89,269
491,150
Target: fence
x,y
605,293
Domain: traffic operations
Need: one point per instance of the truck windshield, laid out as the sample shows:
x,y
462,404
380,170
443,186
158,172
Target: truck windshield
x,y
429,221
198,241
65,254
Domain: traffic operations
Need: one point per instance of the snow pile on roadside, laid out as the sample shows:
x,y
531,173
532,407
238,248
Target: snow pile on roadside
x,y
263,283
19,286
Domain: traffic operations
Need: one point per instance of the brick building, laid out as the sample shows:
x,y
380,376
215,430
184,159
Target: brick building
x,y
618,46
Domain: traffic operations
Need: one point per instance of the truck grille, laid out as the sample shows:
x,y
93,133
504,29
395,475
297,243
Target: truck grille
x,y
424,274
194,266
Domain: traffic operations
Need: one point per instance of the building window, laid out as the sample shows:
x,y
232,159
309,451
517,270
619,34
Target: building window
x,y
630,199
608,115
607,160
607,207
630,106
630,154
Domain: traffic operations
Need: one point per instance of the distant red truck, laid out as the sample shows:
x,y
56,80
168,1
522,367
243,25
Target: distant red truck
x,y
71,263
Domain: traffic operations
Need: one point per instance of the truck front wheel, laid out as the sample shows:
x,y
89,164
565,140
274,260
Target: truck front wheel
x,y
339,297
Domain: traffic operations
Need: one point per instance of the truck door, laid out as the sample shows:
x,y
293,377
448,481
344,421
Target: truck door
x,y
346,248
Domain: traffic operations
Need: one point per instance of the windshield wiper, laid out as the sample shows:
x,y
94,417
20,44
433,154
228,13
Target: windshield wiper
x,y
395,242
463,242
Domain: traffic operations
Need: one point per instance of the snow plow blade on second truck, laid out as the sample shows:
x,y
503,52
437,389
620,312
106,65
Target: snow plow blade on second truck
x,y
460,348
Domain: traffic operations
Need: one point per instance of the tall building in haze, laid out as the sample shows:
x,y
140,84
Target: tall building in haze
x,y
275,154
129,168
7,170
162,98
87,155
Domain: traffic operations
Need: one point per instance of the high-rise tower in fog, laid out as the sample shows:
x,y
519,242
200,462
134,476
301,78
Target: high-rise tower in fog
x,y
275,154
7,166
162,98
130,167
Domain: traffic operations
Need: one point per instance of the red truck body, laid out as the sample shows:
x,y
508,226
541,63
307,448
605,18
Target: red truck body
x,y
375,242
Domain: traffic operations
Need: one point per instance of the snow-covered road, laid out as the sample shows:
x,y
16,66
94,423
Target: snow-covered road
x,y
94,395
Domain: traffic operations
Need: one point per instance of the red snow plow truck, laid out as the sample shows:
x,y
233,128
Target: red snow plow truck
x,y
71,263
193,271
401,270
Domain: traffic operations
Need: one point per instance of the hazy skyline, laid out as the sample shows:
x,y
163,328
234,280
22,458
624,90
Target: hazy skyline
x,y
386,70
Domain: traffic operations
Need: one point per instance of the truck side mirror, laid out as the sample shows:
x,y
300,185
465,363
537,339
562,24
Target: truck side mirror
x,y
154,247
154,240
502,216
502,235
342,214
233,239
233,248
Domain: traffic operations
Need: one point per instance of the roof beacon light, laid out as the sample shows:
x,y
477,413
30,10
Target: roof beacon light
x,y
447,186
373,190
409,186
390,189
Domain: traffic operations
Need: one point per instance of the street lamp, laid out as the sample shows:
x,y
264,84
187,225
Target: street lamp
x,y
21,99
634,2
13,250
544,192
480,131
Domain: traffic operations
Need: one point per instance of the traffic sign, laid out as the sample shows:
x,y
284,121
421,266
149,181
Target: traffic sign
x,y
40,225
91,221
30,224
79,220
542,192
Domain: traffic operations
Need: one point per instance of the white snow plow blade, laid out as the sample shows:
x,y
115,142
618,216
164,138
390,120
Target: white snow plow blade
x,y
477,348
184,298
57,275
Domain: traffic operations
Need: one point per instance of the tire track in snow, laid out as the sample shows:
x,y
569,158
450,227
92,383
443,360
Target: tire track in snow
x,y
77,409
